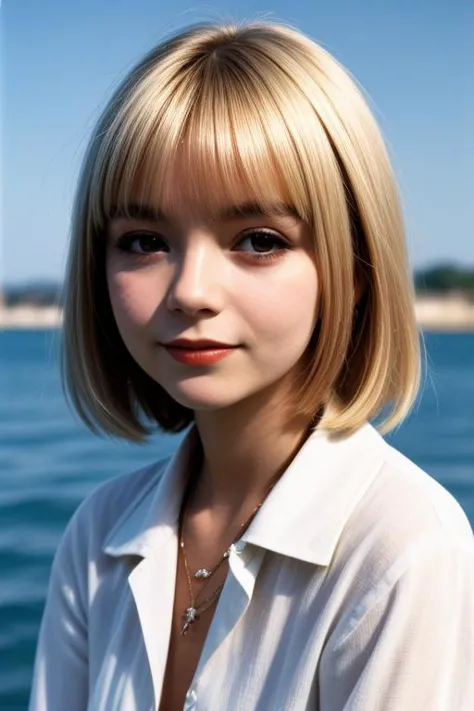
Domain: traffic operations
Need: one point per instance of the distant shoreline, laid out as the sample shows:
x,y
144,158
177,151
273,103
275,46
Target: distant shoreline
x,y
451,312
26,316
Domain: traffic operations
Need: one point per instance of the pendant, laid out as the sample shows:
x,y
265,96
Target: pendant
x,y
203,573
190,616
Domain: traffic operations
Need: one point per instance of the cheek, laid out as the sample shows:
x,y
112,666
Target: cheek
x,y
285,310
134,299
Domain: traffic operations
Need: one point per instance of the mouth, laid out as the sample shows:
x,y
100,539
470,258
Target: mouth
x,y
201,348
198,345
208,355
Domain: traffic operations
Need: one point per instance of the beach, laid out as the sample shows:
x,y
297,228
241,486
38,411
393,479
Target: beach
x,y
453,312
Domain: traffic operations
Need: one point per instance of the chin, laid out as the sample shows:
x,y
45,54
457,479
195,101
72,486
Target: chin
x,y
204,398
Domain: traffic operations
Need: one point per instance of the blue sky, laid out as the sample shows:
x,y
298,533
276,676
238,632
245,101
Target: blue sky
x,y
61,60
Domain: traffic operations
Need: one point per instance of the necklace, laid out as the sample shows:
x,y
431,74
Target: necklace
x,y
192,613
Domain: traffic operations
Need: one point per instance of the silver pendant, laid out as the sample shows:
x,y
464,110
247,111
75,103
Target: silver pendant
x,y
190,616
203,573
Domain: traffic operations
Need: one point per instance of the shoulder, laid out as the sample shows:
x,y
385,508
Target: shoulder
x,y
409,494
403,517
107,505
406,533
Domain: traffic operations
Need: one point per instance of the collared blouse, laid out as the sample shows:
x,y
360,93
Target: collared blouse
x,y
352,590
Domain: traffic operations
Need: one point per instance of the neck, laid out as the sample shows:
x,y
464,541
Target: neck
x,y
244,449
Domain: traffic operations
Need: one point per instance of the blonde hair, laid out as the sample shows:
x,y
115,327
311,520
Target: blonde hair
x,y
263,106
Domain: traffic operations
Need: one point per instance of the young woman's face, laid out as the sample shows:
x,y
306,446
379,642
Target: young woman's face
x,y
247,280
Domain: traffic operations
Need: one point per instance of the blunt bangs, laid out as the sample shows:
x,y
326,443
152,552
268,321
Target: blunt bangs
x,y
223,132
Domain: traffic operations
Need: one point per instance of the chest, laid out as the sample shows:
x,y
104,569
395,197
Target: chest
x,y
184,651
257,649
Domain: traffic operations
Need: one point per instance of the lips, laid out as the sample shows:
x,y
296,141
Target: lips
x,y
197,348
209,355
200,344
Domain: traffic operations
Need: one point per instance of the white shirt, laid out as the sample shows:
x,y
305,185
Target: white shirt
x,y
352,590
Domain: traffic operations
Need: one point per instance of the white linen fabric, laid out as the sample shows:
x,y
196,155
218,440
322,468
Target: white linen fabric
x,y
352,590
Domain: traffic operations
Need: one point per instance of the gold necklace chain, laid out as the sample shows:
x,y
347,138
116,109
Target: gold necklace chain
x,y
192,613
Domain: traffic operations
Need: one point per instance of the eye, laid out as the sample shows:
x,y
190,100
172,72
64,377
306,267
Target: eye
x,y
263,240
140,242
267,244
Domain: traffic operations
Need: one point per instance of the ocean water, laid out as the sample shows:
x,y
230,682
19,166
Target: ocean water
x,y
49,462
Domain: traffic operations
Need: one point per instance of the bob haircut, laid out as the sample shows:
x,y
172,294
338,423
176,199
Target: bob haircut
x,y
258,105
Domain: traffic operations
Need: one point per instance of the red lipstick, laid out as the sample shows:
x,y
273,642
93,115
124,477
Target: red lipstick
x,y
200,356
198,352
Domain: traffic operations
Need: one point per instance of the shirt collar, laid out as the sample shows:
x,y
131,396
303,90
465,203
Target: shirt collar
x,y
302,517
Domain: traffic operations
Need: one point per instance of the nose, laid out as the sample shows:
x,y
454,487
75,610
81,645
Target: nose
x,y
198,283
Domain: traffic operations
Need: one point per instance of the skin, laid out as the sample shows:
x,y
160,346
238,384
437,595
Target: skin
x,y
200,279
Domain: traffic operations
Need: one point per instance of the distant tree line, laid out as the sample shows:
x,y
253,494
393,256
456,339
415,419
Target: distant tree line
x,y
441,278
35,294
445,277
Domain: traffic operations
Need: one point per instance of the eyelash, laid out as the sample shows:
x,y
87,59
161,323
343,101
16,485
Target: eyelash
x,y
125,242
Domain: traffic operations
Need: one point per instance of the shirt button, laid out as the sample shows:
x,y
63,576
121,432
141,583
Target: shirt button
x,y
239,546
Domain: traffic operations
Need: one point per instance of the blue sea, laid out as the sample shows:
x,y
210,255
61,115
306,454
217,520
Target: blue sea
x,y
49,462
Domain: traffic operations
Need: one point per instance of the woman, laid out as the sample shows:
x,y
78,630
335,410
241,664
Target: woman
x,y
238,264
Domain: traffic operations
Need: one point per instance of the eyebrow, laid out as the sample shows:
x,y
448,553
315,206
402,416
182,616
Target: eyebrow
x,y
277,208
